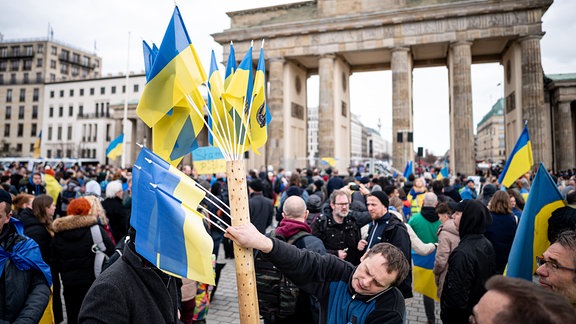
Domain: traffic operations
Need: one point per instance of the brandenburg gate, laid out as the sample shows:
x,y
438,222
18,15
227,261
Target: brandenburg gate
x,y
335,38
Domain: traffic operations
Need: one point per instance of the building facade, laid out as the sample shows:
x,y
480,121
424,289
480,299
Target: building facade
x,y
26,67
490,135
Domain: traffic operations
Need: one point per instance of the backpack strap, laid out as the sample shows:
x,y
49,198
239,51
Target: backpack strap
x,y
297,236
98,248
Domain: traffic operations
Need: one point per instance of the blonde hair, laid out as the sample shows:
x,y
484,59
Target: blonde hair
x,y
96,209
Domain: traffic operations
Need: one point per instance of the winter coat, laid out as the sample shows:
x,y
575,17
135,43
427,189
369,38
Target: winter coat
x,y
416,243
501,234
72,248
261,211
38,232
118,217
448,240
131,291
388,229
470,265
328,279
336,236
426,224
33,189
24,294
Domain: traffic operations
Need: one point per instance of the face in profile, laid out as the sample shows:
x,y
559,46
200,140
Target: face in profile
x,y
557,273
371,276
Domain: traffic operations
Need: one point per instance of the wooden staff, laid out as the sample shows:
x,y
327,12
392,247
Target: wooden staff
x,y
243,257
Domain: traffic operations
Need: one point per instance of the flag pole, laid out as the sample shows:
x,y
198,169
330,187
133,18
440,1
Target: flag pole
x,y
125,119
243,257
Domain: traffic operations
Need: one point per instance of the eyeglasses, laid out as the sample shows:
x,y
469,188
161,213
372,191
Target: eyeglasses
x,y
342,204
551,264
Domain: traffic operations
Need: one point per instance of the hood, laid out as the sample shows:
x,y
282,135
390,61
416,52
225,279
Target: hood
x,y
289,227
314,203
449,227
26,216
475,219
429,213
71,222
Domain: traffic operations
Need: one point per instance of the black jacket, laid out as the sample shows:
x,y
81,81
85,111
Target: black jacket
x,y
390,229
118,217
470,265
261,211
38,232
72,248
329,279
131,291
337,236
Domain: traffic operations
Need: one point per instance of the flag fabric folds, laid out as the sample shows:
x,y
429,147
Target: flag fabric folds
x,y
171,102
218,120
230,67
408,169
520,160
116,147
37,146
444,173
531,237
170,231
259,113
423,275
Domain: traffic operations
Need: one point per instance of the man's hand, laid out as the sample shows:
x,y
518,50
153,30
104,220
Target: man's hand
x,y
362,245
248,236
342,254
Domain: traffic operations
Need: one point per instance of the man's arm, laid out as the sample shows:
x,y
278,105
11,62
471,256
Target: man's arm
x,y
38,296
456,290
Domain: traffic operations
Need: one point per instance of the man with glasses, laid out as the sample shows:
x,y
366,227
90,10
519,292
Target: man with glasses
x,y
339,231
557,266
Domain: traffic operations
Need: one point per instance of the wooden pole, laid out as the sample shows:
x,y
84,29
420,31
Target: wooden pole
x,y
243,257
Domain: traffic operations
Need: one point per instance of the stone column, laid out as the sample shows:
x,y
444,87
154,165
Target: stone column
x,y
533,109
275,100
461,118
326,106
565,155
402,119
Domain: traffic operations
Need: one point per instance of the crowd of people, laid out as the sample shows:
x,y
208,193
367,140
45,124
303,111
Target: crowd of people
x,y
345,240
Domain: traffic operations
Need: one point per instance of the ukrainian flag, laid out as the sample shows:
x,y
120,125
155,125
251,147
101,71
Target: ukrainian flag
x,y
37,146
444,173
238,95
328,160
115,148
218,120
170,232
408,169
531,238
520,160
259,113
230,67
175,74
423,276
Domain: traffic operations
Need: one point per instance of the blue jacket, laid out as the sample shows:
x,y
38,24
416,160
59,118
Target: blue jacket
x,y
328,278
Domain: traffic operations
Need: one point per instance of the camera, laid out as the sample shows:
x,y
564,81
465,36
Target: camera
x,y
354,187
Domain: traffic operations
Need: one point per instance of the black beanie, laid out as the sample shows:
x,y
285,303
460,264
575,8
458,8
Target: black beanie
x,y
382,196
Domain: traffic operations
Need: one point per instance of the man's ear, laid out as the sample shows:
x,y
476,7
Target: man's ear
x,y
363,257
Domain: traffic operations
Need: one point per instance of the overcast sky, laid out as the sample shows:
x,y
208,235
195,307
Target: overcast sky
x,y
104,25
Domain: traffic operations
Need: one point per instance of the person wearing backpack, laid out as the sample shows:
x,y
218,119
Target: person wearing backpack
x,y
366,294
279,300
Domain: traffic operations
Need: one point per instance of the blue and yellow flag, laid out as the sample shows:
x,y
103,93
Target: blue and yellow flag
x,y
424,282
520,160
531,239
238,95
444,172
171,102
230,67
259,114
150,54
170,231
218,120
408,169
37,146
115,148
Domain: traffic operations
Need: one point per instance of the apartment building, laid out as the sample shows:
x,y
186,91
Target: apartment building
x,y
490,137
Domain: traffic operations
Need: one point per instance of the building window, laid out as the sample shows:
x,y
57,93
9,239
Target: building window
x,y
91,91
39,62
32,147
68,153
1,78
93,153
52,64
20,131
52,77
28,50
27,65
82,92
12,78
49,154
70,111
69,133
113,89
21,112
60,111
38,77
59,134
123,89
3,66
71,92
9,95
103,90
16,50
22,96
58,153
136,87
6,147
26,78
33,130
75,71
35,94
80,110
19,147
51,112
15,66
65,55
61,93
54,50
8,114
3,51
6,130
35,112
40,48
50,133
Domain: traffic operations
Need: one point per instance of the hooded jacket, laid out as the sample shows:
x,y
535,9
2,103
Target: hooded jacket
x,y
38,232
448,239
426,224
32,188
469,265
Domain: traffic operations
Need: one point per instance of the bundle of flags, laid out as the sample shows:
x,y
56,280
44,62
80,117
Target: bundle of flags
x,y
531,237
169,230
115,147
172,103
520,160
